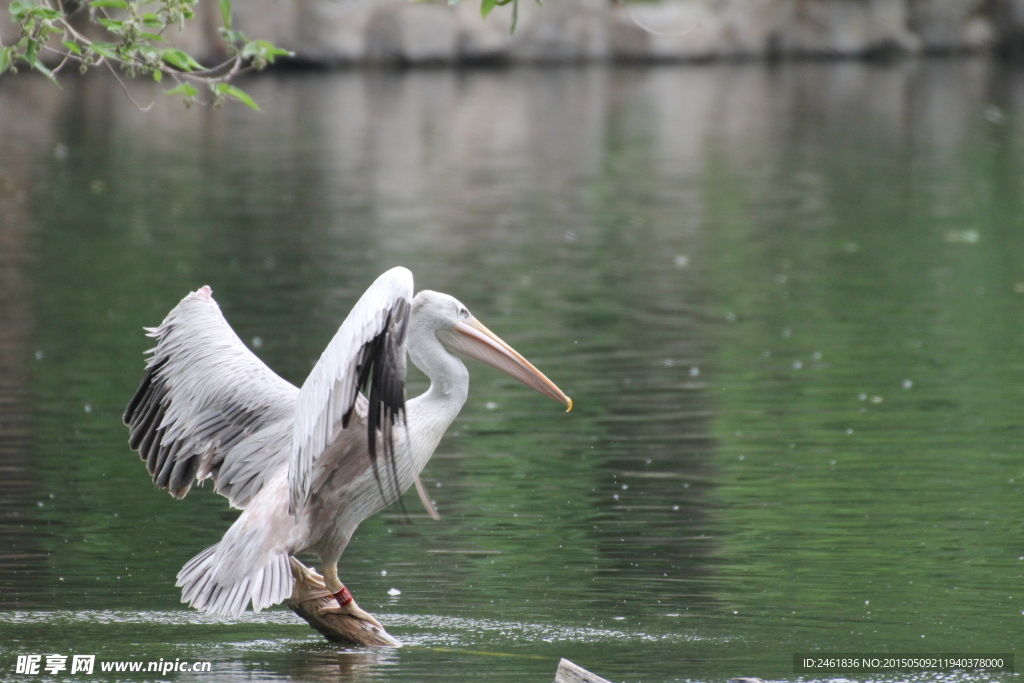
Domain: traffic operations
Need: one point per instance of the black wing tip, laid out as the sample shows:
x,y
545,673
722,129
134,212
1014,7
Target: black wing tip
x,y
143,416
384,365
140,398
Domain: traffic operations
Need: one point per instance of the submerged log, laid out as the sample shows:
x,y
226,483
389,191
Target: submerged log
x,y
571,673
310,595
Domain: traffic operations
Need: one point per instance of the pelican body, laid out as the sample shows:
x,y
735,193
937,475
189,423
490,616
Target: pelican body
x,y
306,465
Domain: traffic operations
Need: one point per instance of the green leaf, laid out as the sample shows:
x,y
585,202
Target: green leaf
x,y
183,89
225,13
271,51
232,37
236,93
487,5
158,75
181,60
43,70
152,36
118,4
268,50
72,46
5,59
112,25
30,53
21,8
108,50
151,20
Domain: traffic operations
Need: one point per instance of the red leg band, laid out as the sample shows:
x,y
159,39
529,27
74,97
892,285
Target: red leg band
x,y
343,596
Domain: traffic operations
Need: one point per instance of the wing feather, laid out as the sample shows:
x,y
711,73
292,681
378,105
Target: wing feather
x,y
369,348
208,406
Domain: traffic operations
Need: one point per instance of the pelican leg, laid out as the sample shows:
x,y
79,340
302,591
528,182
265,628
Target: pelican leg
x,y
346,604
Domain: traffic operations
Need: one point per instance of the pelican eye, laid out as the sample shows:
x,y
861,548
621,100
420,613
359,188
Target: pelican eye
x,y
463,312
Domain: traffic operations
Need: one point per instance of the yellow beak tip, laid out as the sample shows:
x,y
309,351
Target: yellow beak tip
x,y
569,409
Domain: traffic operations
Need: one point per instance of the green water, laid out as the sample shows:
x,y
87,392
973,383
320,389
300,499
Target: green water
x,y
788,303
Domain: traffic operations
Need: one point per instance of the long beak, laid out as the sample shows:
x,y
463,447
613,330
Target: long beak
x,y
473,340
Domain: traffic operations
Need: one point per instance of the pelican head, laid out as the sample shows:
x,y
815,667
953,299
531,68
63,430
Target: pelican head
x,y
462,334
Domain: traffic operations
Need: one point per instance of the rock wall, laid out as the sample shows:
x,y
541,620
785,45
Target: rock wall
x,y
331,32
400,31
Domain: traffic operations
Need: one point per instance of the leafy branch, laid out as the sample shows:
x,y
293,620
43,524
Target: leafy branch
x,y
486,6
134,45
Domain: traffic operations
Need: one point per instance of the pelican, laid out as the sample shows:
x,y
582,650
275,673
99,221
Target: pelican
x,y
305,465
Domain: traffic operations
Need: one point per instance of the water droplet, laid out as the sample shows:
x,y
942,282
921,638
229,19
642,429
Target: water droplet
x,y
694,371
676,507
39,355
88,408
741,457
570,236
257,342
862,397
877,399
786,333
383,572
907,384
667,362
490,405
816,355
993,114
849,431
797,365
394,592
681,260
60,152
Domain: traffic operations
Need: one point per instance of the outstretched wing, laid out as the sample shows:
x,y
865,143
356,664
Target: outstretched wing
x,y
368,349
208,407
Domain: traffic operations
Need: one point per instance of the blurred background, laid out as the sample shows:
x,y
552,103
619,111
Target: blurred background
x,y
786,294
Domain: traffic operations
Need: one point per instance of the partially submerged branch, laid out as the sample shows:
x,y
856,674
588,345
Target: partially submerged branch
x,y
310,595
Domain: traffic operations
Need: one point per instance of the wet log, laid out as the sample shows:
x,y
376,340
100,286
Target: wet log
x,y
571,673
310,595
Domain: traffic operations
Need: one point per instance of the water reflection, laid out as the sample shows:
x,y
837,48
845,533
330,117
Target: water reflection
x,y
785,300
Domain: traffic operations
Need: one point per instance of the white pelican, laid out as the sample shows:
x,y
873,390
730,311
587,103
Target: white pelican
x,y
306,465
